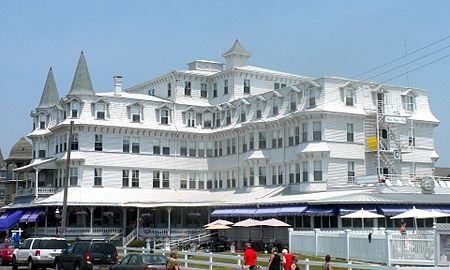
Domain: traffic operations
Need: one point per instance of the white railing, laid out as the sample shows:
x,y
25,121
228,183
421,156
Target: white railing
x,y
383,246
210,260
79,231
130,237
41,191
164,232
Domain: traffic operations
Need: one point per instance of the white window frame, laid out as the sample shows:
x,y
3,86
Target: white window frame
x,y
349,97
164,115
75,109
351,172
98,177
100,107
410,103
136,111
203,90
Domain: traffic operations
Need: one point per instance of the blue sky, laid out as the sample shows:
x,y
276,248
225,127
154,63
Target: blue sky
x,y
143,39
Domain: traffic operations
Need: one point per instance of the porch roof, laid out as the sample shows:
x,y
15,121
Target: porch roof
x,y
38,163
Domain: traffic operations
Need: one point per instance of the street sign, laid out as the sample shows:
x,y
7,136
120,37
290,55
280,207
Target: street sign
x,y
395,119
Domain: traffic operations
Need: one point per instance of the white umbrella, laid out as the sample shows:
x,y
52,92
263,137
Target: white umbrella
x,y
414,213
218,227
219,222
273,222
362,214
249,222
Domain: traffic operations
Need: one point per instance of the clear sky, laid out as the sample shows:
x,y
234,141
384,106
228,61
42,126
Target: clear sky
x,y
143,39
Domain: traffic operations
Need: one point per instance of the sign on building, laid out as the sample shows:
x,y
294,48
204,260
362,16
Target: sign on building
x,y
372,143
395,119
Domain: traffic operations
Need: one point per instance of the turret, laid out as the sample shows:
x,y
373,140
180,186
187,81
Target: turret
x,y
81,84
237,56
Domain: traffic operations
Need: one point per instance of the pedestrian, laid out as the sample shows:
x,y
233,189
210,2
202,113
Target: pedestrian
x,y
287,259
274,260
249,257
327,265
294,265
171,263
403,228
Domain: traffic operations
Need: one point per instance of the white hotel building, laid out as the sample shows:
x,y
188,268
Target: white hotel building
x,y
229,140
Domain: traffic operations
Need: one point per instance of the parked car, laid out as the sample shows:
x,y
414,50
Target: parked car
x,y
38,252
141,262
87,255
6,253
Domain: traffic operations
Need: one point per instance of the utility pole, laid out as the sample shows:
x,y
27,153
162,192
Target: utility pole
x,y
66,182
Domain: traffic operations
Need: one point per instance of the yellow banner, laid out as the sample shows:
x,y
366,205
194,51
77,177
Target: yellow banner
x,y
372,143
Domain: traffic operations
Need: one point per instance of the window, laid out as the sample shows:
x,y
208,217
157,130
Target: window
x,y
217,119
135,112
312,98
164,117
349,96
258,111
251,145
214,90
410,103
317,131
192,149
41,154
151,92
166,150
304,132
228,117
233,146
228,141
276,86
297,173
156,150
201,149
183,181
209,149
246,86
192,182
74,145
305,171
156,181
318,170
291,131
244,144
187,88
274,107
351,171
243,117
274,175
280,175
225,87
126,145
135,178
135,146
75,109
190,118
100,110
277,139
262,140
166,179
297,135
262,176
220,148
293,105
125,178
350,133
169,90
73,178
42,122
183,148
97,177
207,120
252,177
98,146
203,90
411,137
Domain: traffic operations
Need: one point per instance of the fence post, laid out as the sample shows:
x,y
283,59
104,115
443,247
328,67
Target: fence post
x,y
239,262
349,265
436,246
306,264
388,247
210,261
185,260
316,241
290,232
347,243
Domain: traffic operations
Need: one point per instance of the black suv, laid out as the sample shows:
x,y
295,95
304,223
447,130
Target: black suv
x,y
87,255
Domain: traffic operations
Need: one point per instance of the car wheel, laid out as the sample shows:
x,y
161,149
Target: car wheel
x,y
1,261
77,267
30,265
58,265
14,264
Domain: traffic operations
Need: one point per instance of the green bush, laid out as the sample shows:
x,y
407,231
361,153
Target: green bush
x,y
137,243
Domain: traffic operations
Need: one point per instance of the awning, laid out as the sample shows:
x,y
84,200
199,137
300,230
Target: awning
x,y
9,221
35,216
392,210
292,210
244,212
266,212
347,209
319,210
26,215
222,212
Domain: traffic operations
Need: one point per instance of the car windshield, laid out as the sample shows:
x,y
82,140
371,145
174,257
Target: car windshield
x,y
104,248
50,244
154,259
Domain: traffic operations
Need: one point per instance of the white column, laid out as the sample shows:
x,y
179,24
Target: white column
x,y
169,210
36,183
91,209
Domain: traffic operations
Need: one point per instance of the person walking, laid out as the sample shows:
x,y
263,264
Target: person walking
x,y
171,263
287,259
294,265
327,265
249,257
274,260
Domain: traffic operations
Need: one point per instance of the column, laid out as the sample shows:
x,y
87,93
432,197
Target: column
x,y
45,220
91,210
124,220
138,218
36,183
169,210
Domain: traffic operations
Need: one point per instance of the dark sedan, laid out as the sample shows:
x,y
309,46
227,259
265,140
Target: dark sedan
x,y
141,262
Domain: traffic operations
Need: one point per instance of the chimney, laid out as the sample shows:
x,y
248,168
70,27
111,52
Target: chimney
x,y
117,85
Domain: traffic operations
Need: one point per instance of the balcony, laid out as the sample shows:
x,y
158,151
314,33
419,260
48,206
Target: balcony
x,y
42,191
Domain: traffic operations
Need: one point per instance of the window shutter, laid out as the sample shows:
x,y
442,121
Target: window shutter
x,y
93,109
129,112
170,116
158,115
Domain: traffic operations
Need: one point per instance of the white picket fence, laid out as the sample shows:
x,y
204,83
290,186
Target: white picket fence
x,y
383,247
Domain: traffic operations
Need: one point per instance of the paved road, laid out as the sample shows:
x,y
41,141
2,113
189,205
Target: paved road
x,y
8,267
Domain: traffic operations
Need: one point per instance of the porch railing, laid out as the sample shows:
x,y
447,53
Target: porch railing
x,y
79,231
41,191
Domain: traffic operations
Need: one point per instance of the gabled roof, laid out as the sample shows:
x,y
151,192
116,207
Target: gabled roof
x,y
81,84
236,49
409,92
50,96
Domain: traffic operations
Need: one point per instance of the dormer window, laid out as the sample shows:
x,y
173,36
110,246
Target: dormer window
x,y
293,105
278,85
136,113
312,98
218,121
274,107
349,96
74,109
207,120
187,88
228,117
243,117
164,116
190,118
258,110
100,110
246,86
42,122
410,102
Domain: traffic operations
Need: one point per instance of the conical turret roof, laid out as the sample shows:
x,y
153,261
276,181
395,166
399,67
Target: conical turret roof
x,y
22,150
81,84
50,96
2,160
236,49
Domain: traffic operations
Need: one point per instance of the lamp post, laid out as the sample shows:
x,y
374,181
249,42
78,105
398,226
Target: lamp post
x,y
58,220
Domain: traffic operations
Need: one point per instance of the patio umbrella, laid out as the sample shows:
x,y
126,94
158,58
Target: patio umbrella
x,y
273,222
414,213
219,222
218,227
249,222
362,214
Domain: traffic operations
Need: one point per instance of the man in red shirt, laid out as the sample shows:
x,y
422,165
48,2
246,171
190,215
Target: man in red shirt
x,y
287,259
249,257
